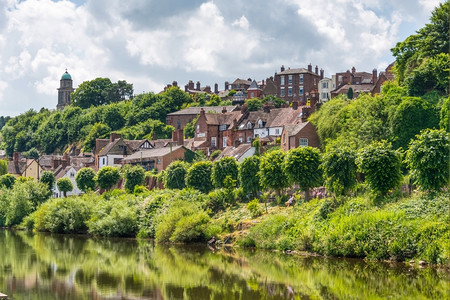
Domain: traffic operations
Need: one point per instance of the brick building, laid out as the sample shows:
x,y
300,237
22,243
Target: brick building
x,y
180,118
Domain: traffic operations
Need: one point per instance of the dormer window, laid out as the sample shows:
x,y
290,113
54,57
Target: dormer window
x,y
260,124
249,125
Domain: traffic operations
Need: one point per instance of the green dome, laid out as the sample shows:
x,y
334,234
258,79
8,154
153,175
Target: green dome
x,y
66,76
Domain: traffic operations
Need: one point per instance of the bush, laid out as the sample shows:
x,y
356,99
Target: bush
x,y
226,166
107,177
7,181
133,176
65,185
199,176
85,179
175,175
253,207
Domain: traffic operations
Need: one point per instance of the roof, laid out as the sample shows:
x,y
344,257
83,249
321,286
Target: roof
x,y
134,144
150,153
296,71
235,152
63,171
283,116
66,76
196,110
357,88
295,128
254,86
242,81
223,118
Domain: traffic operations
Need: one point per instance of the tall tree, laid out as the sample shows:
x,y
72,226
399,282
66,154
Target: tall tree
x,y
65,185
249,175
340,170
134,176
175,175
199,176
107,177
272,173
85,179
226,166
92,93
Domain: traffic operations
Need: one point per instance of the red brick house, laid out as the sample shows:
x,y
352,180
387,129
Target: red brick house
x,y
180,118
360,82
299,135
254,91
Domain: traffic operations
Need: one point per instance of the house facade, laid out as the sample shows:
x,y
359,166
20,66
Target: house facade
x,y
299,135
67,172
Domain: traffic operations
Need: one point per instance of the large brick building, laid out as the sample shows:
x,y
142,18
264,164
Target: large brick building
x,y
297,84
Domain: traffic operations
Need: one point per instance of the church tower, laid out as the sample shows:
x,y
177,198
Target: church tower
x,y
64,91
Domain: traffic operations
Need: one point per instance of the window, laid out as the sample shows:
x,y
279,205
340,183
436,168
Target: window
x,y
225,139
249,139
222,127
290,91
213,141
314,81
300,91
158,160
198,128
290,79
104,160
240,140
282,79
178,124
324,96
249,125
324,85
282,92
301,78
277,131
303,142
252,95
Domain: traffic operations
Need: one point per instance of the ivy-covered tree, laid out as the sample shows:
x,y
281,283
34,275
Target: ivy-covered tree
x,y
175,177
85,179
302,166
339,169
381,166
226,166
429,160
350,93
249,175
134,176
107,177
65,185
48,178
199,176
272,174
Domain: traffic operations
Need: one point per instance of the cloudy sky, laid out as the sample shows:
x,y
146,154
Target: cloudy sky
x,y
153,42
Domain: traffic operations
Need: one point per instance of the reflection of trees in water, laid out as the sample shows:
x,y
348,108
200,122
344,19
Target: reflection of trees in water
x,y
80,267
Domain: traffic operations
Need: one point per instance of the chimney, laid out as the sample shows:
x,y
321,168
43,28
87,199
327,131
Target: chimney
x,y
154,135
16,157
186,88
198,86
114,136
216,88
374,76
226,85
305,113
207,89
309,68
191,85
224,109
353,70
266,109
202,112
263,83
66,160
294,105
174,83
317,70
177,136
321,74
282,68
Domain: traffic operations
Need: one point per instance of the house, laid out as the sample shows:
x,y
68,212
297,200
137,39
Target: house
x,y
382,78
326,85
239,85
26,167
360,82
68,172
254,91
239,153
299,135
297,84
159,158
180,118
197,89
110,152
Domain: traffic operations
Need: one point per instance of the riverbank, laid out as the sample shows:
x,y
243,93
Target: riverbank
x,y
397,229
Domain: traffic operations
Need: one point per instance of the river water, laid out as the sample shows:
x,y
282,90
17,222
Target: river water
x,y
44,266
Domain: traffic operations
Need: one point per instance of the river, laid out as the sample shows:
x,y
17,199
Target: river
x,y
44,266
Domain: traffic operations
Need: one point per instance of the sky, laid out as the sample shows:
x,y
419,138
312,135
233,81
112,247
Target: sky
x,y
151,43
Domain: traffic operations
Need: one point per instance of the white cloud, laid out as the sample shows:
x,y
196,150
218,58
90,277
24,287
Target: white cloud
x,y
429,5
241,22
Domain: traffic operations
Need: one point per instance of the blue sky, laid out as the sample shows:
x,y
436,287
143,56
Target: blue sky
x,y
151,42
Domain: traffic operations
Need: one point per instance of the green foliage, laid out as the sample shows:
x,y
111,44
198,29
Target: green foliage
x,y
107,177
85,179
339,169
48,178
62,215
272,100
115,217
199,176
404,123
254,104
272,174
134,176
113,117
65,185
302,166
350,93
3,167
444,115
381,167
257,144
254,208
175,175
91,93
189,129
7,181
226,166
215,154
32,153
249,175
97,131
428,158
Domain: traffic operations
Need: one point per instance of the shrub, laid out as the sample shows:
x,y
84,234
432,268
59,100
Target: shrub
x,y
199,176
253,207
107,177
340,170
7,181
249,175
175,175
85,179
272,174
226,166
65,185
134,176
48,177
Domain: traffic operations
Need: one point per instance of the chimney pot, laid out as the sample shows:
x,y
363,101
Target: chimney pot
x,y
282,68
309,68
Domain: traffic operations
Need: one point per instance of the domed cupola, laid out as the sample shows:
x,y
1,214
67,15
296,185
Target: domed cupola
x,y
66,75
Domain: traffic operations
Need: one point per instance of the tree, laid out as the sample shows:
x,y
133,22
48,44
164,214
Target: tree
x,y
113,117
302,166
3,167
444,115
226,166
340,170
189,129
32,153
65,185
107,177
97,131
48,178
272,174
134,176
7,181
199,176
428,158
254,104
404,121
350,93
175,175
249,175
92,93
85,179
381,167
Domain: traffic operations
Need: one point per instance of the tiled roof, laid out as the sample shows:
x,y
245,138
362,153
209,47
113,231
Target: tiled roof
x,y
367,88
223,119
296,71
242,81
284,116
294,129
134,144
151,153
253,86
235,152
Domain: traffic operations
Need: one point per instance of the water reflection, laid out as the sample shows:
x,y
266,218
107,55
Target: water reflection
x,y
42,266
